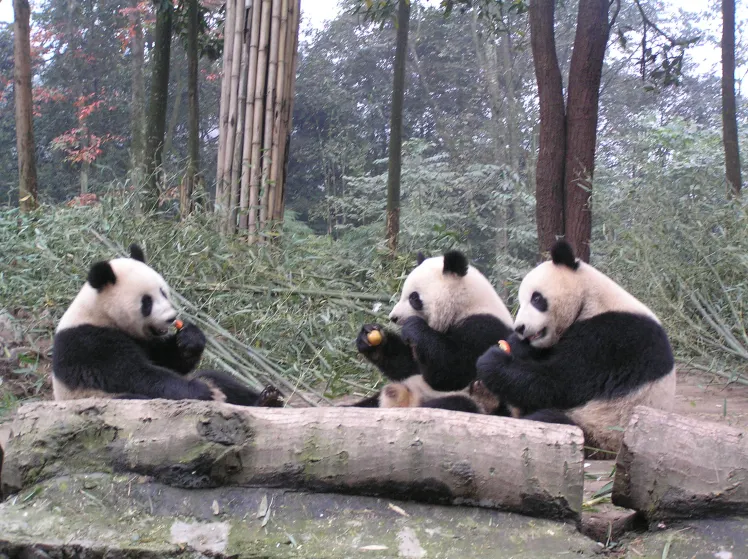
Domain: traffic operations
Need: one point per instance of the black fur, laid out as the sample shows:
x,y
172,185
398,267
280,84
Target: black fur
x,y
446,360
454,402
106,359
605,357
136,253
100,275
455,263
549,416
420,258
562,253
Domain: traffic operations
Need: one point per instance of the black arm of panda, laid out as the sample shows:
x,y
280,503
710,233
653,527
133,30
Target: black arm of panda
x,y
448,359
180,352
605,357
89,357
393,357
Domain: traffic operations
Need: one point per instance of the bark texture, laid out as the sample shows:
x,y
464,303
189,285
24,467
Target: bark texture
x,y
671,466
729,118
422,454
193,163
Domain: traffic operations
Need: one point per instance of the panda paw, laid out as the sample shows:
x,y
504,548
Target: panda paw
x,y
191,342
491,368
270,397
199,390
413,329
364,340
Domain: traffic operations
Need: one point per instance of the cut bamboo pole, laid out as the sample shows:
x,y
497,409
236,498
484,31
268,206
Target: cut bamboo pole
x,y
228,38
280,100
257,121
249,116
236,165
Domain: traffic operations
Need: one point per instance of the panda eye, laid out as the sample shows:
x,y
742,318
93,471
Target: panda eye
x,y
163,293
539,302
415,301
146,305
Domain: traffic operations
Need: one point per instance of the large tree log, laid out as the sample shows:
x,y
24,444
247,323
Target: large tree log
x,y
423,454
671,466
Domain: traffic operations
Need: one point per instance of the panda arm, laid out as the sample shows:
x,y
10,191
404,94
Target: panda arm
x,y
393,357
89,357
180,352
604,357
448,359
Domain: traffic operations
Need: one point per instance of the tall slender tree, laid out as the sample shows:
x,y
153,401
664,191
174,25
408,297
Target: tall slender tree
x,y
396,126
729,119
27,188
189,183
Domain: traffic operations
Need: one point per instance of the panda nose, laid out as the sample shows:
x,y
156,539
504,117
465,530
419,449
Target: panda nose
x,y
393,319
520,329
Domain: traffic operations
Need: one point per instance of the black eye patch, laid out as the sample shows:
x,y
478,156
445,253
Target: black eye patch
x,y
146,305
539,302
415,301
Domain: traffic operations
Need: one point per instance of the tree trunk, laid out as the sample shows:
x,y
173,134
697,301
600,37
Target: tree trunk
x,y
425,454
25,146
729,119
671,466
549,181
223,112
137,107
174,115
85,164
158,103
396,126
193,152
585,73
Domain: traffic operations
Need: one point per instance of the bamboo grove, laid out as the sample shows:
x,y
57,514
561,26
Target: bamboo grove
x,y
259,59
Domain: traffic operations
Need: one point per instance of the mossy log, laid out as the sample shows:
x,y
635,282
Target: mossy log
x,y
422,454
673,467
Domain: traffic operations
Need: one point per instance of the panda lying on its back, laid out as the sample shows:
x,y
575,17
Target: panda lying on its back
x,y
113,341
582,346
450,314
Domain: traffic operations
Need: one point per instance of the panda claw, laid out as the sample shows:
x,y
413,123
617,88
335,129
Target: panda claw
x,y
270,397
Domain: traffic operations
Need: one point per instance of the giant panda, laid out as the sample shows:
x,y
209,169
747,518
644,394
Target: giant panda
x,y
114,341
449,316
583,348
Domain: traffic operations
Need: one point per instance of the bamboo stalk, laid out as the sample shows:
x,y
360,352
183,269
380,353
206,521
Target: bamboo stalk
x,y
228,39
267,139
236,166
254,181
280,87
233,102
254,35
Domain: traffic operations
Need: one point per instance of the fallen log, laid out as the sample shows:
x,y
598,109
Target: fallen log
x,y
422,454
675,467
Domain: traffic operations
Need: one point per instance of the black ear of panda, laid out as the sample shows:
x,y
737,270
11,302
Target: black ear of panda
x,y
455,263
420,258
136,253
100,275
562,253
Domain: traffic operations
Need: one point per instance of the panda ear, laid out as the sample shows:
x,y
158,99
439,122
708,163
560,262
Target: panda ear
x,y
562,253
100,275
420,258
455,263
136,253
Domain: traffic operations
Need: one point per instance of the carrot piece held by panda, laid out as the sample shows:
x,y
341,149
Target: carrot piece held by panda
x,y
504,345
178,324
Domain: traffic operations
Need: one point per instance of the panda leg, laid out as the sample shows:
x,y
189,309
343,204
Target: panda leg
x,y
549,416
239,393
455,402
370,402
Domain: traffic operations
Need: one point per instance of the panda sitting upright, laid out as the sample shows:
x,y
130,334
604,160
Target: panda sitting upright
x,y
449,316
583,348
113,341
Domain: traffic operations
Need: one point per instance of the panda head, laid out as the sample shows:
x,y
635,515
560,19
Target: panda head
x,y
551,298
126,294
444,290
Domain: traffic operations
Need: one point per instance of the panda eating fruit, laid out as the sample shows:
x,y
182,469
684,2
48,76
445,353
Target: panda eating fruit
x,y
583,348
449,316
114,341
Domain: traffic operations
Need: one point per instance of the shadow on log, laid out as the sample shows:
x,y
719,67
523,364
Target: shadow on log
x,y
676,467
421,454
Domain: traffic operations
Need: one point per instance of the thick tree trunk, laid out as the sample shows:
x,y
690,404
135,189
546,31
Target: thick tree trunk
x,y
193,152
425,454
671,466
729,119
25,145
585,73
158,102
549,180
137,106
396,126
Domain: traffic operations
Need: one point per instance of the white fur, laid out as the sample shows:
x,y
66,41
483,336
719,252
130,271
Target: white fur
x,y
414,391
119,305
448,298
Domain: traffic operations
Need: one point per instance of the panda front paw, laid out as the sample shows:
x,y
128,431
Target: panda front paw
x,y
370,339
198,390
191,342
270,397
413,329
490,369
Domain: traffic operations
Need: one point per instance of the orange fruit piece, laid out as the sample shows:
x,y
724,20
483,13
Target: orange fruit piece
x,y
504,345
